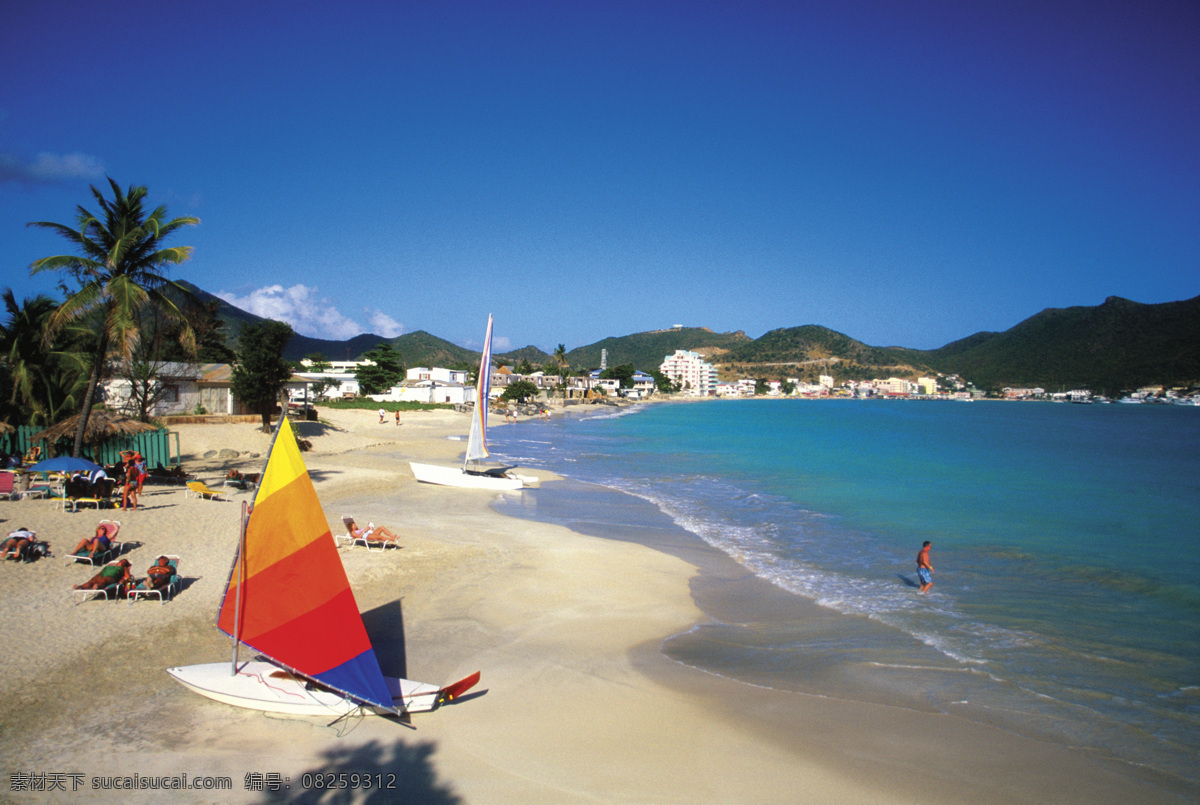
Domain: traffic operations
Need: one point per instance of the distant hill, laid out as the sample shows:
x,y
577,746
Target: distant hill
x,y
813,342
535,356
1117,345
646,351
416,349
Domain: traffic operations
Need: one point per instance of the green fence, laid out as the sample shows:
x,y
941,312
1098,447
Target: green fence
x,y
154,445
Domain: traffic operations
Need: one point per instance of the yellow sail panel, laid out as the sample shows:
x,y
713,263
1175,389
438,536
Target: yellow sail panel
x,y
284,466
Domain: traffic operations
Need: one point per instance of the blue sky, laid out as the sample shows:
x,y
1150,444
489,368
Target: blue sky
x,y
906,173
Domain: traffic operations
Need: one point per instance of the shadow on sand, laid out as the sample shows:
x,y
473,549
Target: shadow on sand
x,y
377,771
374,772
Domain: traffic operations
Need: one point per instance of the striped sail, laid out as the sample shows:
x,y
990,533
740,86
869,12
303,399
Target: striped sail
x,y
296,604
477,441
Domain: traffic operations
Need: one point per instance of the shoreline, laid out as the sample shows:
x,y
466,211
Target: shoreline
x,y
578,701
861,712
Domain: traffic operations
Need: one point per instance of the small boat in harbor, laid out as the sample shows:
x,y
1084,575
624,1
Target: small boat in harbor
x,y
472,474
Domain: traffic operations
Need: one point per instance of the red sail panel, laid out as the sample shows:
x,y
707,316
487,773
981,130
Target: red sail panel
x,y
294,639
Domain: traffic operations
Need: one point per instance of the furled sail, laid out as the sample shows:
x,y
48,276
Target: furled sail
x,y
296,605
477,441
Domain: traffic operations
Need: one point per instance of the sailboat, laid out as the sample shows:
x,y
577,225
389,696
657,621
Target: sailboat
x,y
289,599
471,474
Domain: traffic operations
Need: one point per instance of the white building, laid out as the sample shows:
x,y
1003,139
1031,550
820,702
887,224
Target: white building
x,y
187,388
440,375
693,374
338,385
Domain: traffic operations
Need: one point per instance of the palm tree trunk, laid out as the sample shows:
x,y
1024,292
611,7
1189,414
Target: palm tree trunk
x,y
93,381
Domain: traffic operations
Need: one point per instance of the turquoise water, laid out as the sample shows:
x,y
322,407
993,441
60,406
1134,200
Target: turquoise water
x,y
1066,600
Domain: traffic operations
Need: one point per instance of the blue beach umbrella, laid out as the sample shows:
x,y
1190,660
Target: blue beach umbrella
x,y
65,464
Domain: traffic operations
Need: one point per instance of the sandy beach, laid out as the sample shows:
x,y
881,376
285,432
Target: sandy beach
x,y
577,703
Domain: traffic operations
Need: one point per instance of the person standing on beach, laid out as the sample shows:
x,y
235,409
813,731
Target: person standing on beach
x,y
381,415
397,416
924,569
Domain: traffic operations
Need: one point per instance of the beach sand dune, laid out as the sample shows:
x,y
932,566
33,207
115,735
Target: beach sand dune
x,y
577,702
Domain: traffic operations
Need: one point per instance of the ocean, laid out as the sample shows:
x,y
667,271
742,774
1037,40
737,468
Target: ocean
x,y
1066,597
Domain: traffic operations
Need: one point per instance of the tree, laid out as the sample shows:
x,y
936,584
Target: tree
x,y
663,383
520,390
560,358
261,372
42,381
623,373
150,382
117,273
385,370
206,325
318,364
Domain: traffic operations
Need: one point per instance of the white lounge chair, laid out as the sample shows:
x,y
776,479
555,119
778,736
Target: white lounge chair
x,y
110,592
364,539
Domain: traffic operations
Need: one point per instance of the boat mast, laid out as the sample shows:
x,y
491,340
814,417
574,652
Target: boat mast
x,y
237,602
240,561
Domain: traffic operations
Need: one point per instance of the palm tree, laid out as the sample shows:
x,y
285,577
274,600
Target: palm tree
x,y
118,273
560,357
44,381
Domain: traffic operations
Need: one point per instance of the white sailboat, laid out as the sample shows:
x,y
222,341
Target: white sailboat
x,y
470,474
288,598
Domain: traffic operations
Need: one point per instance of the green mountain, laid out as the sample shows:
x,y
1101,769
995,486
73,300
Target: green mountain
x,y
535,356
416,349
646,351
1117,345
813,342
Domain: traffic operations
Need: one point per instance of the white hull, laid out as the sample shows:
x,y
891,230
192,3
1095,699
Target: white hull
x,y
456,476
254,687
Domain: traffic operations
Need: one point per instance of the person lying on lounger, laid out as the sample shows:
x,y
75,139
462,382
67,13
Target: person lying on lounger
x,y
18,542
116,573
372,533
98,543
158,575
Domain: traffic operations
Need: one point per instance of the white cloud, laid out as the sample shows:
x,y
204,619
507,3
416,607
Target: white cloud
x,y
48,168
501,343
383,324
299,306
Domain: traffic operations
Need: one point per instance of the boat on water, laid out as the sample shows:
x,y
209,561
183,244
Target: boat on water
x,y
288,598
472,474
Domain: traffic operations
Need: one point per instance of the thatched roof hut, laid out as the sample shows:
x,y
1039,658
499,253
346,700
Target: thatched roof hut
x,y
102,425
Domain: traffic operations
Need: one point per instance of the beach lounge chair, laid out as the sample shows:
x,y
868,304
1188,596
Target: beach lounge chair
x,y
110,592
163,594
241,480
33,551
115,548
162,475
378,544
198,489
8,486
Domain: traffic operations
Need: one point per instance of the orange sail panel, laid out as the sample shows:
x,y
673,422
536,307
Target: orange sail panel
x,y
297,607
